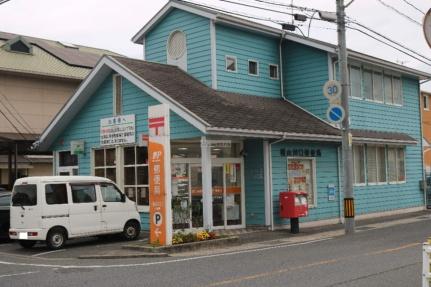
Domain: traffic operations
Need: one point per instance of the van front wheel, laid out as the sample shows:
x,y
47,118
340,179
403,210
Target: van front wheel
x,y
131,230
56,239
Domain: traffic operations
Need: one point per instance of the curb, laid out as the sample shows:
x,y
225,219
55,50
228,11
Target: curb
x,y
137,255
226,241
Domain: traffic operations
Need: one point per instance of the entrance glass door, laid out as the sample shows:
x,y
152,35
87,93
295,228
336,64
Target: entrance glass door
x,y
218,196
232,176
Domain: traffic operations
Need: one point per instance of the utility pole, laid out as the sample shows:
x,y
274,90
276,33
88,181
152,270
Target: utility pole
x,y
349,207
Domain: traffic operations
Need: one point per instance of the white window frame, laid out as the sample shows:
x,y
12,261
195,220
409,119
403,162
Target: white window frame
x,y
426,102
383,86
396,165
116,112
401,91
360,82
236,64
278,71
257,68
377,182
365,166
59,168
104,167
314,180
141,208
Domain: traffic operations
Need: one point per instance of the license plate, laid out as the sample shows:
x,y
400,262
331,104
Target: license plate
x,y
22,235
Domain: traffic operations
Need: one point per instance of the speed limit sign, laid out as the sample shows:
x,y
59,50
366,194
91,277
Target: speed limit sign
x,y
332,90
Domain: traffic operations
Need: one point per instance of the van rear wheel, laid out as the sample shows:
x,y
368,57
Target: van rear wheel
x,y
27,243
131,230
56,239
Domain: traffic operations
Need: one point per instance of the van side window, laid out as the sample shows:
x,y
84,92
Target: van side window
x,y
110,193
56,193
83,193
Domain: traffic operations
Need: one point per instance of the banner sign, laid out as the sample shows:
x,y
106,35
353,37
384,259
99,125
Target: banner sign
x,y
159,174
117,130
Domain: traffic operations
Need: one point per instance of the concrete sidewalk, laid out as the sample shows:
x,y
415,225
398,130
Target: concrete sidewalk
x,y
259,238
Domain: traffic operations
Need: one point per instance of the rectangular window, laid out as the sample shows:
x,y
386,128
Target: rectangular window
x,y
397,90
367,84
381,164
426,102
83,193
378,87
118,97
396,164
105,163
136,174
65,158
24,195
355,82
300,174
56,193
231,65
359,164
110,193
371,164
388,89
273,71
253,68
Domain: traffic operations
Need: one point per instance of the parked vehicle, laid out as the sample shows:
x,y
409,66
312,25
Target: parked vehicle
x,y
4,214
57,208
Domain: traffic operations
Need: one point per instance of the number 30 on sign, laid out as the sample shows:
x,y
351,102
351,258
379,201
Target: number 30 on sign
x,y
332,90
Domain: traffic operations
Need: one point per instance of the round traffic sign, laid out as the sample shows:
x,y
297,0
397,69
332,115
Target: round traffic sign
x,y
332,90
427,27
335,114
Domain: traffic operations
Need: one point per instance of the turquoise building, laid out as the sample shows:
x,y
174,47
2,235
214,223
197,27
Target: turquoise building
x,y
247,121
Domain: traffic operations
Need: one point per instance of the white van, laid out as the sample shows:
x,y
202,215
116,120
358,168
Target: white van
x,y
56,208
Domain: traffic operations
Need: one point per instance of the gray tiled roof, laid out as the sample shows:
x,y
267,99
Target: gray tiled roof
x,y
224,109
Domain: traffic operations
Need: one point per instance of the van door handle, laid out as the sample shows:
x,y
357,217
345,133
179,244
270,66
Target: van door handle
x,y
95,208
104,205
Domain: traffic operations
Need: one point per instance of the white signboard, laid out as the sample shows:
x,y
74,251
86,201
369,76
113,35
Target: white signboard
x,y
427,27
117,130
77,147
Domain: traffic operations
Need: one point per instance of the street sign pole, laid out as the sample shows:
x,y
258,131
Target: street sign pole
x,y
349,207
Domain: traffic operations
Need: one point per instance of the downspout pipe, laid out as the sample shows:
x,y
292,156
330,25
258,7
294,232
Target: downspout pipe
x,y
281,66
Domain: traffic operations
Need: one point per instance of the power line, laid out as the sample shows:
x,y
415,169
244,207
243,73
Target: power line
x,y
390,45
3,1
301,8
26,126
256,7
399,12
388,39
414,7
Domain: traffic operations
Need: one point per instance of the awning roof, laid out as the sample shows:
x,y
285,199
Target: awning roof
x,y
211,111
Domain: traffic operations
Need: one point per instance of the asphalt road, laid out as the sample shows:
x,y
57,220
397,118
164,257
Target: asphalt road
x,y
381,257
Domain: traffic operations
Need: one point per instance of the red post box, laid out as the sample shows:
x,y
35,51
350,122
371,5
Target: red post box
x,y
293,204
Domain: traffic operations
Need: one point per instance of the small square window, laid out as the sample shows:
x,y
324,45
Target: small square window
x,y
273,72
231,64
253,68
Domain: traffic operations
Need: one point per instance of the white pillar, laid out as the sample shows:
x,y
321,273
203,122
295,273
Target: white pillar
x,y
207,196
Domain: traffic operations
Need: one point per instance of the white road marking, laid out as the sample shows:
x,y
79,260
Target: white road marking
x,y
283,245
19,274
47,252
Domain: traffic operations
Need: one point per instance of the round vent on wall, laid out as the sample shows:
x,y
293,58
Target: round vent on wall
x,y
176,45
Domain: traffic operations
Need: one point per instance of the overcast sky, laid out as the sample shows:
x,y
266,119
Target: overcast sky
x,y
111,24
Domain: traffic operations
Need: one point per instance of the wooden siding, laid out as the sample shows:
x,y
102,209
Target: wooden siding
x,y
326,174
197,31
305,73
246,46
405,119
254,183
86,124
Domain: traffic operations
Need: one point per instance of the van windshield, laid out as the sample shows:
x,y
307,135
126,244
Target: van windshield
x,y
24,195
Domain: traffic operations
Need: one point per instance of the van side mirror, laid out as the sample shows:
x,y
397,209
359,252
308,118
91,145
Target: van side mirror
x,y
123,197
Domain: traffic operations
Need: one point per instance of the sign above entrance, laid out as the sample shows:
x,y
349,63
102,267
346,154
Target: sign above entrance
x,y
159,175
117,130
